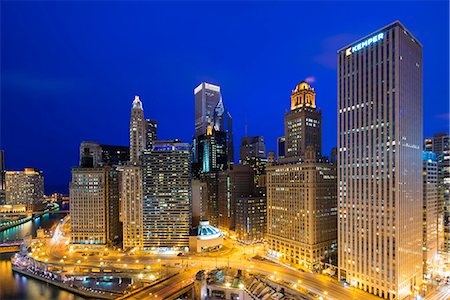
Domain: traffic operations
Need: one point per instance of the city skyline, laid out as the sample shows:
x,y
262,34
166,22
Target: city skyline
x,y
250,97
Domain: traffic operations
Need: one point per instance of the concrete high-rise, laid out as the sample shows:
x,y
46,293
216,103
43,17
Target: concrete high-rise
x,y
380,163
131,206
138,128
166,195
302,211
430,213
94,206
25,187
303,124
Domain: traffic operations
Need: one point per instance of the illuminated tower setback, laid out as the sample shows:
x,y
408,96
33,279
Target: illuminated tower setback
x,y
380,163
303,124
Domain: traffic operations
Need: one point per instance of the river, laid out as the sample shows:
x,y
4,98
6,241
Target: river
x,y
15,286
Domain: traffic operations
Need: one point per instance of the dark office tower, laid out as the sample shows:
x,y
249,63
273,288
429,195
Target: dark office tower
x,y
152,133
138,130
303,124
253,153
238,181
212,151
199,201
166,195
2,178
252,147
208,103
93,154
113,155
211,209
380,163
251,218
94,206
281,147
230,139
333,156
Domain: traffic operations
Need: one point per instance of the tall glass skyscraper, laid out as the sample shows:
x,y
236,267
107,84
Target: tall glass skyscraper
x,y
380,162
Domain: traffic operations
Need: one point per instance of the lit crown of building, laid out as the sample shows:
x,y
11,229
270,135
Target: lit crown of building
x,y
137,102
303,96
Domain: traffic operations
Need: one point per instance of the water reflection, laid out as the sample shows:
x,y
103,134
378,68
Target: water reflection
x,y
16,286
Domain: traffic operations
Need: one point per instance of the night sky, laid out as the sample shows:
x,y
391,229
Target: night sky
x,y
70,70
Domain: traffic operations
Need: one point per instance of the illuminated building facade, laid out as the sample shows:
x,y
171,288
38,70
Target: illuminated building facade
x,y
251,218
166,195
131,202
24,187
430,213
138,128
380,163
302,211
94,206
303,124
209,108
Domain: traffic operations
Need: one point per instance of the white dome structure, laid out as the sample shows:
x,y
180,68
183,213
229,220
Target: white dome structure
x,y
205,238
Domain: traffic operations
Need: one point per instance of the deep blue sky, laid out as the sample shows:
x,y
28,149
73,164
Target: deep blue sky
x,y
70,70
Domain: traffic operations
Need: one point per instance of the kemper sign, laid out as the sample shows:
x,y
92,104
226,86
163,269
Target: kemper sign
x,y
364,44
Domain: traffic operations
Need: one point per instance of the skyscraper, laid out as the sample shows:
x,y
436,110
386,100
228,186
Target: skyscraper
x,y
152,133
302,211
380,162
166,195
303,124
251,218
430,212
212,151
25,187
253,153
138,129
131,202
211,119
94,206
209,108
238,181
131,177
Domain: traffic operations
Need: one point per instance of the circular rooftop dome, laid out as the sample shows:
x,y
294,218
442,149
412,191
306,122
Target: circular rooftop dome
x,y
207,232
